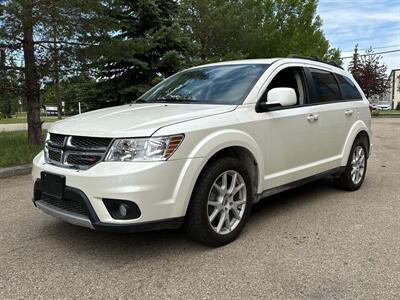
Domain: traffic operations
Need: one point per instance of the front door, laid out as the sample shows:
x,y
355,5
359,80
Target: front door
x,y
289,136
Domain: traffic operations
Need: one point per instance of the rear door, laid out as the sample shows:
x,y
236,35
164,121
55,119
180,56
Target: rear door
x,y
352,99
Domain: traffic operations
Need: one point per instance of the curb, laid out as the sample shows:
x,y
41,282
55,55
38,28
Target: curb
x,y
14,171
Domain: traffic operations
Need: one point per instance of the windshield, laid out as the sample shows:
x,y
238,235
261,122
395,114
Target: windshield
x,y
223,84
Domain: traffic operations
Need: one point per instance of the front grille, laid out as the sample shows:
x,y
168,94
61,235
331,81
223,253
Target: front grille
x,y
83,159
75,151
69,205
54,154
57,139
90,142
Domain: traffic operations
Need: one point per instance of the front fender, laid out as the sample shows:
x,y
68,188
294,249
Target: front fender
x,y
204,150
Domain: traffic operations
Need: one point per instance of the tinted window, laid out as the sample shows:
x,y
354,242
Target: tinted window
x,y
224,84
289,78
326,88
348,89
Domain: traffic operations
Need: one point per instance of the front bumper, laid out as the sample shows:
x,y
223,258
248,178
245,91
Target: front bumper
x,y
89,218
161,190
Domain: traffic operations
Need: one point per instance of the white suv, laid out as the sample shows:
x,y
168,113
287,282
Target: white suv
x,y
202,146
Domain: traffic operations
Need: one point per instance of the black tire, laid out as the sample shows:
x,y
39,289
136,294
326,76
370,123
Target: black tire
x,y
197,224
345,181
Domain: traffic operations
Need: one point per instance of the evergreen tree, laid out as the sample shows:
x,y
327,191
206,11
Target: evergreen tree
x,y
355,63
147,44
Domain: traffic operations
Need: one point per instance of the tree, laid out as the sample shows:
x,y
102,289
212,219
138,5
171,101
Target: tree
x,y
355,63
334,55
369,72
147,44
256,29
10,86
47,35
16,34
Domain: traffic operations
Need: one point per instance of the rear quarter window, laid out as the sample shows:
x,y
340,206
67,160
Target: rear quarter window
x,y
325,86
348,89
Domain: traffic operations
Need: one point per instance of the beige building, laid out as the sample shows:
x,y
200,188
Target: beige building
x,y
393,95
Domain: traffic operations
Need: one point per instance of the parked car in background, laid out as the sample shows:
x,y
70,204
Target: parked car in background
x,y
383,106
201,147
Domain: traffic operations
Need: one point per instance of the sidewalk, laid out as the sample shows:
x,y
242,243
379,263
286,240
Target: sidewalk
x,y
19,126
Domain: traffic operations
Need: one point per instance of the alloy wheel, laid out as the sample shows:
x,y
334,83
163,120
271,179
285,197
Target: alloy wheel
x,y
357,165
226,202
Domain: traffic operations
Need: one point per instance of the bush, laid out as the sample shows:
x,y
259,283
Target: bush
x,y
375,113
398,106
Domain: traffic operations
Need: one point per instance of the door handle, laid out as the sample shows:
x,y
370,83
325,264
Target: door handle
x,y
348,112
312,118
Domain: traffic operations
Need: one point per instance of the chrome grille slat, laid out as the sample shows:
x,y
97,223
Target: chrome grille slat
x,y
75,151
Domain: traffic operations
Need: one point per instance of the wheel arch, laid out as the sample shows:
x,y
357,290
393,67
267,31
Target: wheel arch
x,y
358,130
232,143
242,154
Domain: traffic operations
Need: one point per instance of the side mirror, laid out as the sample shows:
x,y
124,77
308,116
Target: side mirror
x,y
278,97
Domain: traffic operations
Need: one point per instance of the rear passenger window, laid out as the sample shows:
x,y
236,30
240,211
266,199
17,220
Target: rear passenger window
x,y
326,87
348,89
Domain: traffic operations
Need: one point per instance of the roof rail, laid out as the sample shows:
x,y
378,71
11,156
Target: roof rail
x,y
315,58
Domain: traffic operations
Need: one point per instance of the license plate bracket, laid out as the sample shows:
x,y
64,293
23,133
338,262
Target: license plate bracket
x,y
52,185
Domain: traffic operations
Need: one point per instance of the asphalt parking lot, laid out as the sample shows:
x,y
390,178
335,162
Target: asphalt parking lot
x,y
312,242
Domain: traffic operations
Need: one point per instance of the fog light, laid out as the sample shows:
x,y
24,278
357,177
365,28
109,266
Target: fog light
x,y
122,209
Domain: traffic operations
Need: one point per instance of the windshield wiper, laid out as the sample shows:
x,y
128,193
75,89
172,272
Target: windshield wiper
x,y
173,100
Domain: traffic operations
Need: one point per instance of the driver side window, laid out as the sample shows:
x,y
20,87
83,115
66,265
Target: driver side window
x,y
288,78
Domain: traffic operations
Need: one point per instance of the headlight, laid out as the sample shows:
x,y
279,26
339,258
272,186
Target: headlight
x,y
144,149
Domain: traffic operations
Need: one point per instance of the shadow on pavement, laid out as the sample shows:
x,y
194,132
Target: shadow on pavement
x,y
128,247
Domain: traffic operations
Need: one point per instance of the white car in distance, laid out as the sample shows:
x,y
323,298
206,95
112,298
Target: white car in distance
x,y
200,148
383,106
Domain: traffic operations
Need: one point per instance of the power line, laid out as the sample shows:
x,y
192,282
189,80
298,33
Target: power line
x,y
384,52
356,29
331,9
383,47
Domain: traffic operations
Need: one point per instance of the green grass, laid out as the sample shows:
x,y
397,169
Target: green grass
x,y
383,113
17,120
15,150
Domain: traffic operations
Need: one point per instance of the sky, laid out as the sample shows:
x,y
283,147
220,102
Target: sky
x,y
367,23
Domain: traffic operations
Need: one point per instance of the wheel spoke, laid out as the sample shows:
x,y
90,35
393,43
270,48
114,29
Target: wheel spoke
x,y
353,177
236,213
233,183
215,213
219,189
227,221
353,171
358,177
360,151
237,189
221,221
224,182
238,203
214,203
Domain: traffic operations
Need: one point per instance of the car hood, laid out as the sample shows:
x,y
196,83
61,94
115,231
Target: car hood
x,y
134,120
